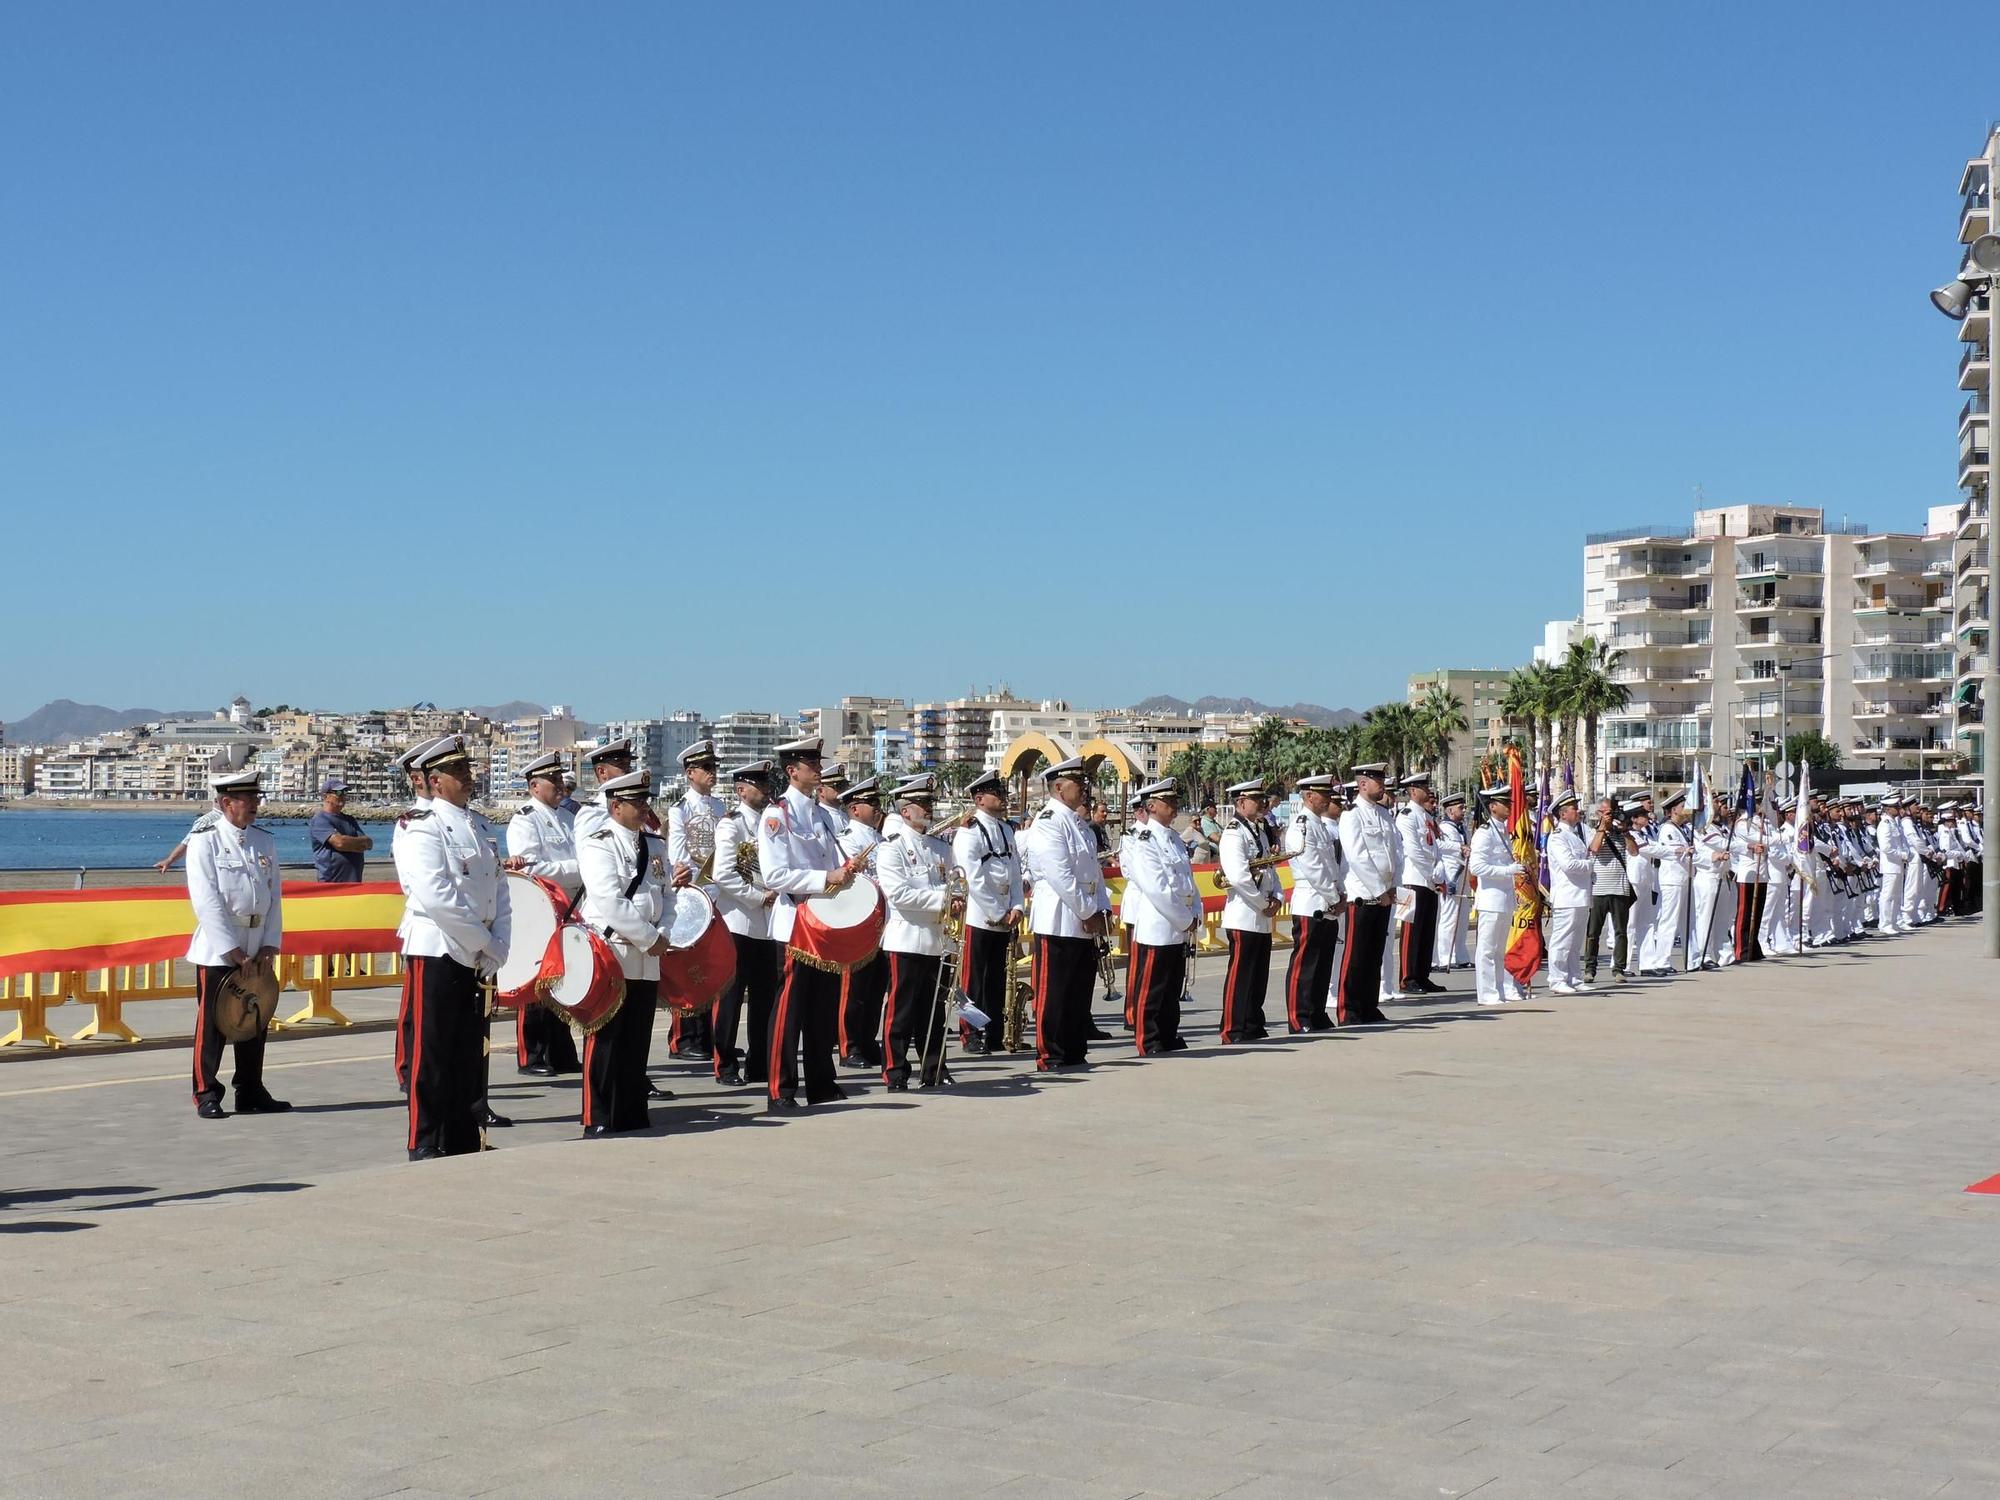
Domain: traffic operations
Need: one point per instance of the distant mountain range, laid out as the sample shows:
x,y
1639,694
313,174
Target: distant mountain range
x,y
54,723
1311,713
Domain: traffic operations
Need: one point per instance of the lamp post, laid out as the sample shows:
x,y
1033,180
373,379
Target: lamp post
x,y
1980,273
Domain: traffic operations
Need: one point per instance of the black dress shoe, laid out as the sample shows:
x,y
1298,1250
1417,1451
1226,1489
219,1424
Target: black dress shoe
x,y
1711,965
262,1105
211,1109
492,1121
730,1078
538,1070
855,1060
654,1091
783,1104
897,1085
1325,1025
835,1097
426,1153
975,1047
1177,1044
1159,1051
693,1054
1097,1033
592,1132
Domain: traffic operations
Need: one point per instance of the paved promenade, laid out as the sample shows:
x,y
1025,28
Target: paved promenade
x,y
1699,1238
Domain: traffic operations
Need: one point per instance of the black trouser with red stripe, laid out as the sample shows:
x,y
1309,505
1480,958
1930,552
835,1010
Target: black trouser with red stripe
x,y
1065,982
808,1015
914,1014
542,1040
405,1022
614,1061
1419,939
1749,915
1131,980
1309,976
985,976
692,1033
447,1060
1159,973
208,1043
759,963
861,996
1359,1002
1244,985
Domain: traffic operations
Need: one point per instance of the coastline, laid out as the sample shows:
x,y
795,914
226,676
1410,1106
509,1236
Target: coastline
x,y
270,811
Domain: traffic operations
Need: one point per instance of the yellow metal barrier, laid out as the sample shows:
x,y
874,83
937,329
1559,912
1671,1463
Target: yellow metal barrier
x,y
109,991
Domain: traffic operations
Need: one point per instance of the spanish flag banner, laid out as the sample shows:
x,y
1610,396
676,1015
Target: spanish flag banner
x,y
1524,937
46,931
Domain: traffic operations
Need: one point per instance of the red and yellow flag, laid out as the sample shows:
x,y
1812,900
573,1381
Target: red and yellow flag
x,y
1524,938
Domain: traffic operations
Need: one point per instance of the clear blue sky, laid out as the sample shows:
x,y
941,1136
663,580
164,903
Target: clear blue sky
x,y
736,356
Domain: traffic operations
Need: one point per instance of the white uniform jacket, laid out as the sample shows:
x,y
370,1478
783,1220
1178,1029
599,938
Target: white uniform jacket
x,y
1782,854
1126,898
1712,841
1673,846
741,902
1570,868
1069,883
1491,860
232,883
1640,868
1253,900
1450,855
910,867
611,858
1314,844
546,838
1160,881
797,848
1369,839
857,838
458,908
984,849
1892,843
701,811
1744,863
589,817
1418,831
420,805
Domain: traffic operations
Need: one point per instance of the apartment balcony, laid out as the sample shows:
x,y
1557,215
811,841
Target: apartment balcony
x,y
1973,464
1891,602
1888,567
1749,675
1914,744
1973,412
1974,364
1978,320
1780,602
1780,635
1899,708
1764,564
1975,214
1877,632
1651,567
1973,665
1655,603
1639,639
1972,520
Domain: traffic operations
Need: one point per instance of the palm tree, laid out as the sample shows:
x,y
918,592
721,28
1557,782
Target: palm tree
x,y
1392,733
1530,702
1590,693
1441,715
1344,746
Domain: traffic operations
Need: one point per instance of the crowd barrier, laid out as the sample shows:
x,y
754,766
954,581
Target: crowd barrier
x,y
111,948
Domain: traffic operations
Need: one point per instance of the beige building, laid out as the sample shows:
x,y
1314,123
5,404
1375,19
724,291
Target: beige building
x,y
1970,619
1757,616
962,729
1480,689
847,729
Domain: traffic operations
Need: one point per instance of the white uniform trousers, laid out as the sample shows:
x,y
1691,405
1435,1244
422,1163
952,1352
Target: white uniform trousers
x,y
1669,917
1491,981
1926,893
1774,933
1639,927
1449,950
1817,913
1889,900
1392,962
1566,926
1712,921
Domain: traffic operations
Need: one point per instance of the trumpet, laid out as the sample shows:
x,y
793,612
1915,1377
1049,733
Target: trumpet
x,y
1262,862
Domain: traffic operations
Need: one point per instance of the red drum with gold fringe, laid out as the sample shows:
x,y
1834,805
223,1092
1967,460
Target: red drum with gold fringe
x,y
534,955
840,931
591,986
701,961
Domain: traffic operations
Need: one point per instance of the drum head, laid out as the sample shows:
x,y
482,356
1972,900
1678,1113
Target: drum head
x,y
535,921
692,914
579,969
850,906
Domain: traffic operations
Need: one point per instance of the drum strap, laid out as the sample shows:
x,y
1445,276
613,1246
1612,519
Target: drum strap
x,y
638,875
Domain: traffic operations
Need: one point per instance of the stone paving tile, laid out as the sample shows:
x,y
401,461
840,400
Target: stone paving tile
x,y
1698,1239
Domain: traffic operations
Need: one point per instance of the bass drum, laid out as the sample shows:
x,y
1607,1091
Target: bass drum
x,y
534,955
841,931
591,986
702,959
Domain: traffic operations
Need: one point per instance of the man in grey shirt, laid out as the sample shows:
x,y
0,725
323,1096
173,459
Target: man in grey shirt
x,y
1610,890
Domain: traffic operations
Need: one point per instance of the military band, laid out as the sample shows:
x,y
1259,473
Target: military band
x,y
1374,892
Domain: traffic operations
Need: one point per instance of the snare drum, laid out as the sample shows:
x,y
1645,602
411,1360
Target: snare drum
x,y
591,986
534,956
840,931
702,956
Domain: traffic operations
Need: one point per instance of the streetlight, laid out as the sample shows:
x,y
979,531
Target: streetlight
x,y
1981,273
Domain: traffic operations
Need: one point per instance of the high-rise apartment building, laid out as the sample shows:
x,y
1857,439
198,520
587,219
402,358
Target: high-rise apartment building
x,y
1480,691
1971,616
1758,619
849,727
960,730
746,736
657,743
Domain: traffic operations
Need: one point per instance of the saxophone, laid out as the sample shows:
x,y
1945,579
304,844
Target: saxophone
x,y
1018,992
